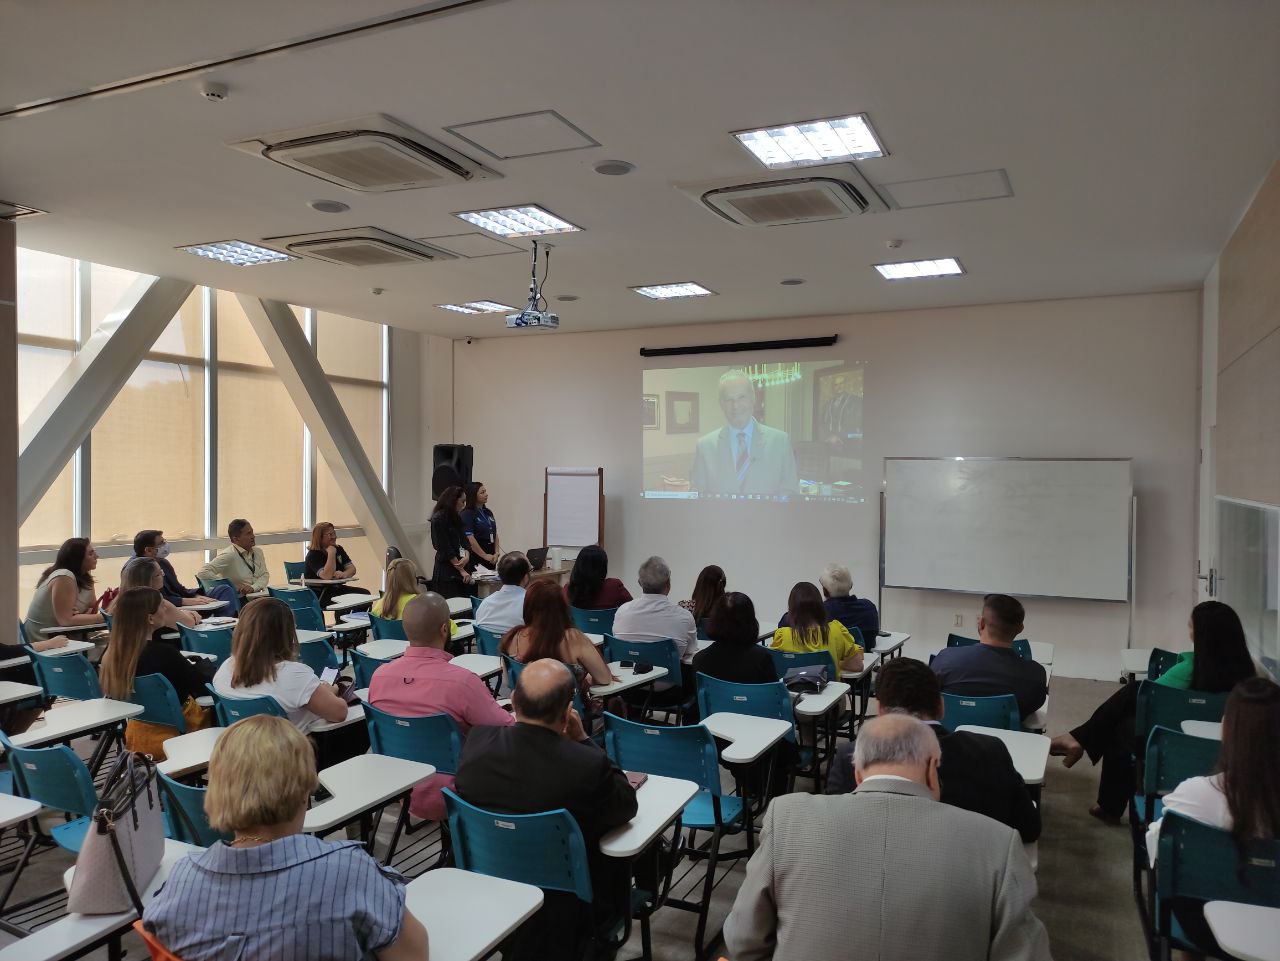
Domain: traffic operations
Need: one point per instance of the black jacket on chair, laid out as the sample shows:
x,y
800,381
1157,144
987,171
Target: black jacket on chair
x,y
977,774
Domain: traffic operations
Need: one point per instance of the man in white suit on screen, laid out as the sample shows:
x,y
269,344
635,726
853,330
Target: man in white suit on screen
x,y
745,456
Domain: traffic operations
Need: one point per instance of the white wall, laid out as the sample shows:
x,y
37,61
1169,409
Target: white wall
x,y
1104,377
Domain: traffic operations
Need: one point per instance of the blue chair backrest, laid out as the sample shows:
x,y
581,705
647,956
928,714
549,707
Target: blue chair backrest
x,y
784,661
233,606
106,619
365,666
662,653
294,570
514,668
1162,706
159,701
317,655
384,627
54,776
433,739
304,604
999,711
232,709
475,606
36,666
1159,662
758,700
210,640
184,815
545,850
68,675
959,640
687,752
487,641
593,622
1021,646
1171,758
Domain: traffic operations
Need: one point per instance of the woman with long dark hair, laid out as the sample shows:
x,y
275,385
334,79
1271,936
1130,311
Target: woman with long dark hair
x,y
450,577
810,630
65,594
590,587
707,589
480,528
1219,659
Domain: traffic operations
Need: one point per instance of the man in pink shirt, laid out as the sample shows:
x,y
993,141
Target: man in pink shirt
x,y
423,682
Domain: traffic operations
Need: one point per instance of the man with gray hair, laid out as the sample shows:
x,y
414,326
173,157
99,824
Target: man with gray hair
x,y
932,880
844,606
745,456
654,616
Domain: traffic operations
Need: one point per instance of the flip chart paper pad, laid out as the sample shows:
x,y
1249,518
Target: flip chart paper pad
x,y
573,506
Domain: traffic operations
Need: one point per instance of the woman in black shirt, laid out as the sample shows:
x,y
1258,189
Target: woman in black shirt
x,y
327,561
735,653
450,577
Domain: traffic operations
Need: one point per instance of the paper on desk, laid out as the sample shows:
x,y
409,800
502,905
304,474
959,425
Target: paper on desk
x,y
482,571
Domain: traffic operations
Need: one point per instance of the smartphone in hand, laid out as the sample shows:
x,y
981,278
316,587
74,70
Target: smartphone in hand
x,y
328,675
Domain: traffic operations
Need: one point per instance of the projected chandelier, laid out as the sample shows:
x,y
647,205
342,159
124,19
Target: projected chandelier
x,y
773,375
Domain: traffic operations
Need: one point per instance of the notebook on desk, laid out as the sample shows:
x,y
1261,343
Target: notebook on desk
x,y
537,557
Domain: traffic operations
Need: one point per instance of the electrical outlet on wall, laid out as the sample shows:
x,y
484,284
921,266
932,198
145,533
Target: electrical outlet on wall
x,y
959,621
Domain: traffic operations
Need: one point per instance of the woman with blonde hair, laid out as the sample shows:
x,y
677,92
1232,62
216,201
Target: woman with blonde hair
x,y
327,561
133,653
147,573
273,891
402,587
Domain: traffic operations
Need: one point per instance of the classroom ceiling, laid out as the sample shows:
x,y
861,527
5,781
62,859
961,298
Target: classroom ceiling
x,y
1133,135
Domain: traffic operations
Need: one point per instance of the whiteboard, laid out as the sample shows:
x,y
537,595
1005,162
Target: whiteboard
x,y
1053,528
573,506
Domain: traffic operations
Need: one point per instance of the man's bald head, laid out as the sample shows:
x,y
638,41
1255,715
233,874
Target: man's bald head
x,y
426,621
543,693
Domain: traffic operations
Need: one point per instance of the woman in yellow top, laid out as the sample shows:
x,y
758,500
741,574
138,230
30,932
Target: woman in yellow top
x,y
402,587
811,631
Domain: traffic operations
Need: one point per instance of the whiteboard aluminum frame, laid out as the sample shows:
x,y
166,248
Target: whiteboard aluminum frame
x,y
1133,509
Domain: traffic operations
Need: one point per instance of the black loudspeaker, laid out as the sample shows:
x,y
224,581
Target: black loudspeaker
x,y
452,467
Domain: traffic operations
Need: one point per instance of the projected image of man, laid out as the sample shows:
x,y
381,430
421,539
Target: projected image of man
x,y
745,456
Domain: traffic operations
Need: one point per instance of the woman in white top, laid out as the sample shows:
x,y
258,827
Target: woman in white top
x,y
264,662
65,594
1243,797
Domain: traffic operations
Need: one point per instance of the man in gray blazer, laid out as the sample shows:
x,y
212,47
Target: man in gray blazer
x,y
887,872
745,456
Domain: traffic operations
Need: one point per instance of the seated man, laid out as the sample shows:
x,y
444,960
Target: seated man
x,y
504,608
977,772
546,762
153,545
931,880
423,682
654,615
243,563
844,606
993,667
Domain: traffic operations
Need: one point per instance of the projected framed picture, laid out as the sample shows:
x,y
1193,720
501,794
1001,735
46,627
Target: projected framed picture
x,y
682,412
837,405
652,412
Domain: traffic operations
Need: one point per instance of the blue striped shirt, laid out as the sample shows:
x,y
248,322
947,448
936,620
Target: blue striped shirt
x,y
295,899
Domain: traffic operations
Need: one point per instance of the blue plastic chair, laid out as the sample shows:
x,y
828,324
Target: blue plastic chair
x,y
487,641
758,700
999,711
545,850
475,606
1159,662
365,666
294,571
1021,646
234,605
1162,706
304,604
215,641
784,661
383,627
231,709
317,655
513,669
106,619
660,653
688,753
184,816
593,622
67,675
159,701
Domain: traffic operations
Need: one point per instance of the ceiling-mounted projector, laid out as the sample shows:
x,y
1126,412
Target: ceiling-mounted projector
x,y
535,313
533,318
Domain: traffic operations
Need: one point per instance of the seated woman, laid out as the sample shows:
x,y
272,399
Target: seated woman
x,y
548,631
65,594
1243,797
1219,659
734,654
273,891
402,587
707,589
264,662
327,561
590,587
132,653
147,573
811,631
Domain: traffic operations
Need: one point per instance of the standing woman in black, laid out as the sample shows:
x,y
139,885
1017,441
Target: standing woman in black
x,y
450,577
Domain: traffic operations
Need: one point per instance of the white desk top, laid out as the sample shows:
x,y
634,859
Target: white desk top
x,y
460,605
254,595
355,715
384,649
324,581
215,624
467,915
74,629
1134,660
361,784
76,717
71,647
749,736
869,661
1030,752
482,665
199,654
815,705
349,602
894,642
1246,931
11,691
1207,729
189,752
209,606
15,809
1039,721
627,679
306,637
596,639
659,800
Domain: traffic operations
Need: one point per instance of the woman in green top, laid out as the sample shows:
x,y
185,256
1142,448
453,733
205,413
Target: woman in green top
x,y
1218,660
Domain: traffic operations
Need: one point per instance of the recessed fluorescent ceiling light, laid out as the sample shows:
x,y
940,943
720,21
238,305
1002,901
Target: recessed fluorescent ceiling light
x,y
915,269
530,221
673,291
238,252
477,307
813,142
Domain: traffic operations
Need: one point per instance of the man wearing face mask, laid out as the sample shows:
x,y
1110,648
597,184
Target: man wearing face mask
x,y
745,456
153,545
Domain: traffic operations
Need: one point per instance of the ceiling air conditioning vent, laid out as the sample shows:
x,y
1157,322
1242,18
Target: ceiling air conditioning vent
x,y
372,154
362,247
795,200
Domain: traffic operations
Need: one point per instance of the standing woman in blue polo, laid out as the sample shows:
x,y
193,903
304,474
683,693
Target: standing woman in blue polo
x,y
480,528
